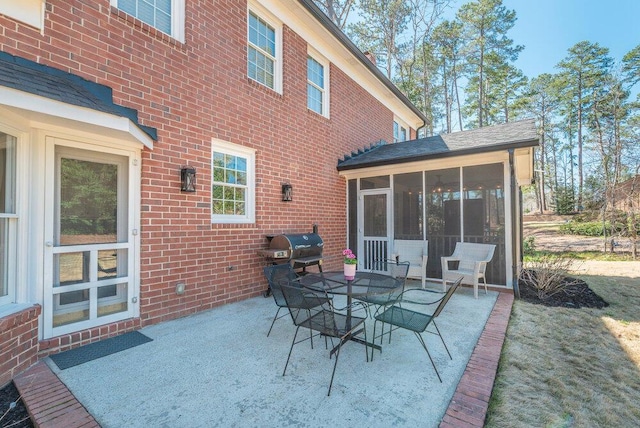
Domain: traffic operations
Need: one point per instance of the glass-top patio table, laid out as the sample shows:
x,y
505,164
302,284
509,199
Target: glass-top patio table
x,y
364,284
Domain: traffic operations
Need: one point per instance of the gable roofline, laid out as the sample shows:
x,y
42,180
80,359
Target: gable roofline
x,y
324,20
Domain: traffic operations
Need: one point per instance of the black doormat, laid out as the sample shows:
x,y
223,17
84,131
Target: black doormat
x,y
95,350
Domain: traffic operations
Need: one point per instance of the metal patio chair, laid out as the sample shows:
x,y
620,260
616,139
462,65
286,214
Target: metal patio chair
x,y
275,274
320,317
399,316
397,273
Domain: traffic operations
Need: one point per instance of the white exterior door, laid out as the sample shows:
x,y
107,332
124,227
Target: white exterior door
x,y
91,260
374,227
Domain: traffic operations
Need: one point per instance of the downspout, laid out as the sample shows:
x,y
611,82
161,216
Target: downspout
x,y
424,124
514,240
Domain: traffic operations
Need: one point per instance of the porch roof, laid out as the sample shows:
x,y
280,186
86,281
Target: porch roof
x,y
511,135
44,81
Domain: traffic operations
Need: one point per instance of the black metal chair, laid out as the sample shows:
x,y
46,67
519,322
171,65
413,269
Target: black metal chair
x,y
319,315
398,316
397,276
275,274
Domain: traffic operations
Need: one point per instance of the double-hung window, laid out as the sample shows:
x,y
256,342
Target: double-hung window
x,y
399,132
233,183
263,51
317,85
164,15
8,217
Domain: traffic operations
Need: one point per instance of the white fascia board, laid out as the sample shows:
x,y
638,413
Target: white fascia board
x,y
524,166
427,165
35,103
294,16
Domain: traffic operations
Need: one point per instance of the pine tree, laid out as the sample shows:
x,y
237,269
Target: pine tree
x,y
485,26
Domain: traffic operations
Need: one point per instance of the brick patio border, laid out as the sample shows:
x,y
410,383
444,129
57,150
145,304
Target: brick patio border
x,y
468,407
49,402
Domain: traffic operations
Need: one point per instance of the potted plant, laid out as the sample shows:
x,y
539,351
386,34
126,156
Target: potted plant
x,y
350,263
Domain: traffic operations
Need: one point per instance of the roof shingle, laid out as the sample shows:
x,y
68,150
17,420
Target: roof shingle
x,y
522,133
38,79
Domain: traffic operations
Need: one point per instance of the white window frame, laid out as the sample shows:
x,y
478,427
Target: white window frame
x,y
177,19
31,12
399,127
250,202
325,76
12,249
276,24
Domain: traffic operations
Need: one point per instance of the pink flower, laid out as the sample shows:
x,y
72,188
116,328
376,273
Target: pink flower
x,y
349,257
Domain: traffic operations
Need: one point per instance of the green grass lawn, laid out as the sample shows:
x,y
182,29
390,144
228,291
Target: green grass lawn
x,y
584,255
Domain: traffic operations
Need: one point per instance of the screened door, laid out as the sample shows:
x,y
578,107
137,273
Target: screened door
x,y
374,228
90,248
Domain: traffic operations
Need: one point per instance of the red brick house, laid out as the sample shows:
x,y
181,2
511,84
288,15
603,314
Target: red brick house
x,y
106,105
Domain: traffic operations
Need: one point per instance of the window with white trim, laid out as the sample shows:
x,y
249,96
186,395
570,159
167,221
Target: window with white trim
x,y
263,51
232,183
317,85
399,132
164,15
8,217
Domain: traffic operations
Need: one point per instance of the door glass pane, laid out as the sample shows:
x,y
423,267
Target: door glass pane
x,y
112,299
71,268
375,215
407,203
112,264
88,202
73,306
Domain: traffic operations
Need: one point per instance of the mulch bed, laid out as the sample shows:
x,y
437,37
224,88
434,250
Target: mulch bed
x,y
13,416
575,295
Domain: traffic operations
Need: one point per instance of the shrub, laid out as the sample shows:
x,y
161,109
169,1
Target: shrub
x,y
547,274
589,228
529,245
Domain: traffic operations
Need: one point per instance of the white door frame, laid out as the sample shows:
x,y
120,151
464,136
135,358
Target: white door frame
x,y
383,243
128,240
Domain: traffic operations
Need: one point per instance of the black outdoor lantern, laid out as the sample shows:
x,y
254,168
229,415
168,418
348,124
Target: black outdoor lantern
x,y
188,179
287,191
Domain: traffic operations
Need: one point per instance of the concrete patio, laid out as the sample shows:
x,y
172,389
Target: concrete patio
x,y
218,368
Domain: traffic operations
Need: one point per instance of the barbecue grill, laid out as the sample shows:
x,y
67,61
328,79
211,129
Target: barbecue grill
x,y
299,249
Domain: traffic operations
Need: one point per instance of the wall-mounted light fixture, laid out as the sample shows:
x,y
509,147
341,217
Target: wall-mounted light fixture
x,y
188,179
287,192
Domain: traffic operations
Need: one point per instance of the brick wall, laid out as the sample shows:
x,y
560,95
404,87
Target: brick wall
x,y
194,92
18,342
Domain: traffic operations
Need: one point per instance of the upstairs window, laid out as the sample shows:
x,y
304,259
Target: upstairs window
x,y
263,51
31,12
399,132
164,15
317,83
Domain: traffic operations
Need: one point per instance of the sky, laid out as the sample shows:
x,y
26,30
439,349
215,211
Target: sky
x,y
548,28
